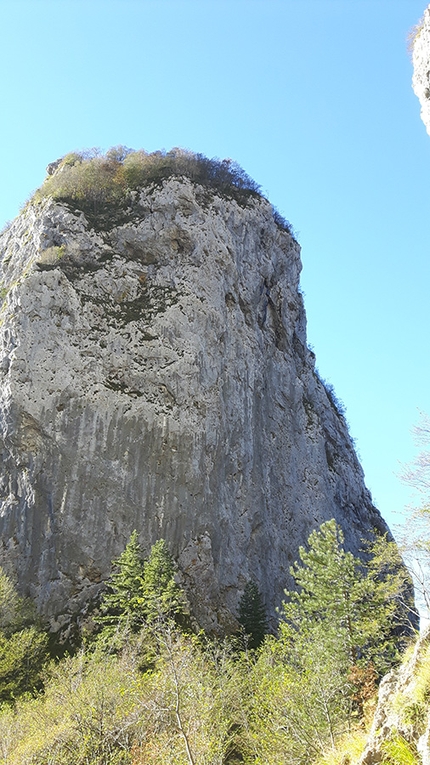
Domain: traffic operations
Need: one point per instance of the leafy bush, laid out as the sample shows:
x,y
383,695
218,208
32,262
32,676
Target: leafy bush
x,y
94,182
23,647
22,658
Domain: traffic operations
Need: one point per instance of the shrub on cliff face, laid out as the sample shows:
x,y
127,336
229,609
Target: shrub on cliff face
x,y
95,180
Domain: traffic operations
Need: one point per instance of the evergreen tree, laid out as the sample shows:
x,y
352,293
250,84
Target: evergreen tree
x,y
336,634
252,615
337,590
141,592
122,604
162,597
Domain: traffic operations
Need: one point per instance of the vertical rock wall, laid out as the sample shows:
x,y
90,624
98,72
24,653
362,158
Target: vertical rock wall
x,y
155,376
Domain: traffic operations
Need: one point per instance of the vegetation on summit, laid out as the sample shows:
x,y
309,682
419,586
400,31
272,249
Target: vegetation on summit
x,y
101,184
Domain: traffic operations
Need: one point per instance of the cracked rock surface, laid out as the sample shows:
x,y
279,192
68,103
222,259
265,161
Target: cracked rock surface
x,y
155,376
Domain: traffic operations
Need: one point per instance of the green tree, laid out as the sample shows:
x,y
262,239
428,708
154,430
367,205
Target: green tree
x,y
337,632
122,604
338,590
140,593
162,597
252,615
23,656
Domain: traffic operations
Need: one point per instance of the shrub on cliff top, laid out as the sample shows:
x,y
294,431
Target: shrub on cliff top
x,y
95,178
94,182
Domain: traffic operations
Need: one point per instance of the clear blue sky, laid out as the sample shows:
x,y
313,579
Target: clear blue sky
x,y
313,98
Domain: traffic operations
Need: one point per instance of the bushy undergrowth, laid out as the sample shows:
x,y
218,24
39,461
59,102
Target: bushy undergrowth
x,y
145,689
97,183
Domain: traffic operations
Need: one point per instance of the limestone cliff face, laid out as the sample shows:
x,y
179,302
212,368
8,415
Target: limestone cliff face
x,y
421,63
155,376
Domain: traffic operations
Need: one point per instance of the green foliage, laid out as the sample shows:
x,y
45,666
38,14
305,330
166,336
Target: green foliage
x,y
316,678
140,593
337,591
122,603
22,658
162,598
348,749
398,751
23,648
10,605
97,184
101,710
289,702
85,717
252,615
422,682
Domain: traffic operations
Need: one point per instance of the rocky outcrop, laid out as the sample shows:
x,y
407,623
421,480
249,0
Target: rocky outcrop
x,y
421,63
155,376
402,717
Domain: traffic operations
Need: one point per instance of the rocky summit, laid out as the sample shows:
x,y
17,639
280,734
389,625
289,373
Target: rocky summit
x,y
155,376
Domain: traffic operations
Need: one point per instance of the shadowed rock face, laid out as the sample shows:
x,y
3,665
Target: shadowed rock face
x,y
155,376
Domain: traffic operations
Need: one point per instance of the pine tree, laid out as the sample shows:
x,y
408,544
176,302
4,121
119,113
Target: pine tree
x,y
336,635
336,590
252,615
141,592
162,597
122,604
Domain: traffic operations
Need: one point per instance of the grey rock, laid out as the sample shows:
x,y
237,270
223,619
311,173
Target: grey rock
x,y
421,63
396,697
155,376
53,166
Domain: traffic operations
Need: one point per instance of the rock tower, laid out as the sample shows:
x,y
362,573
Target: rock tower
x,y
155,376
